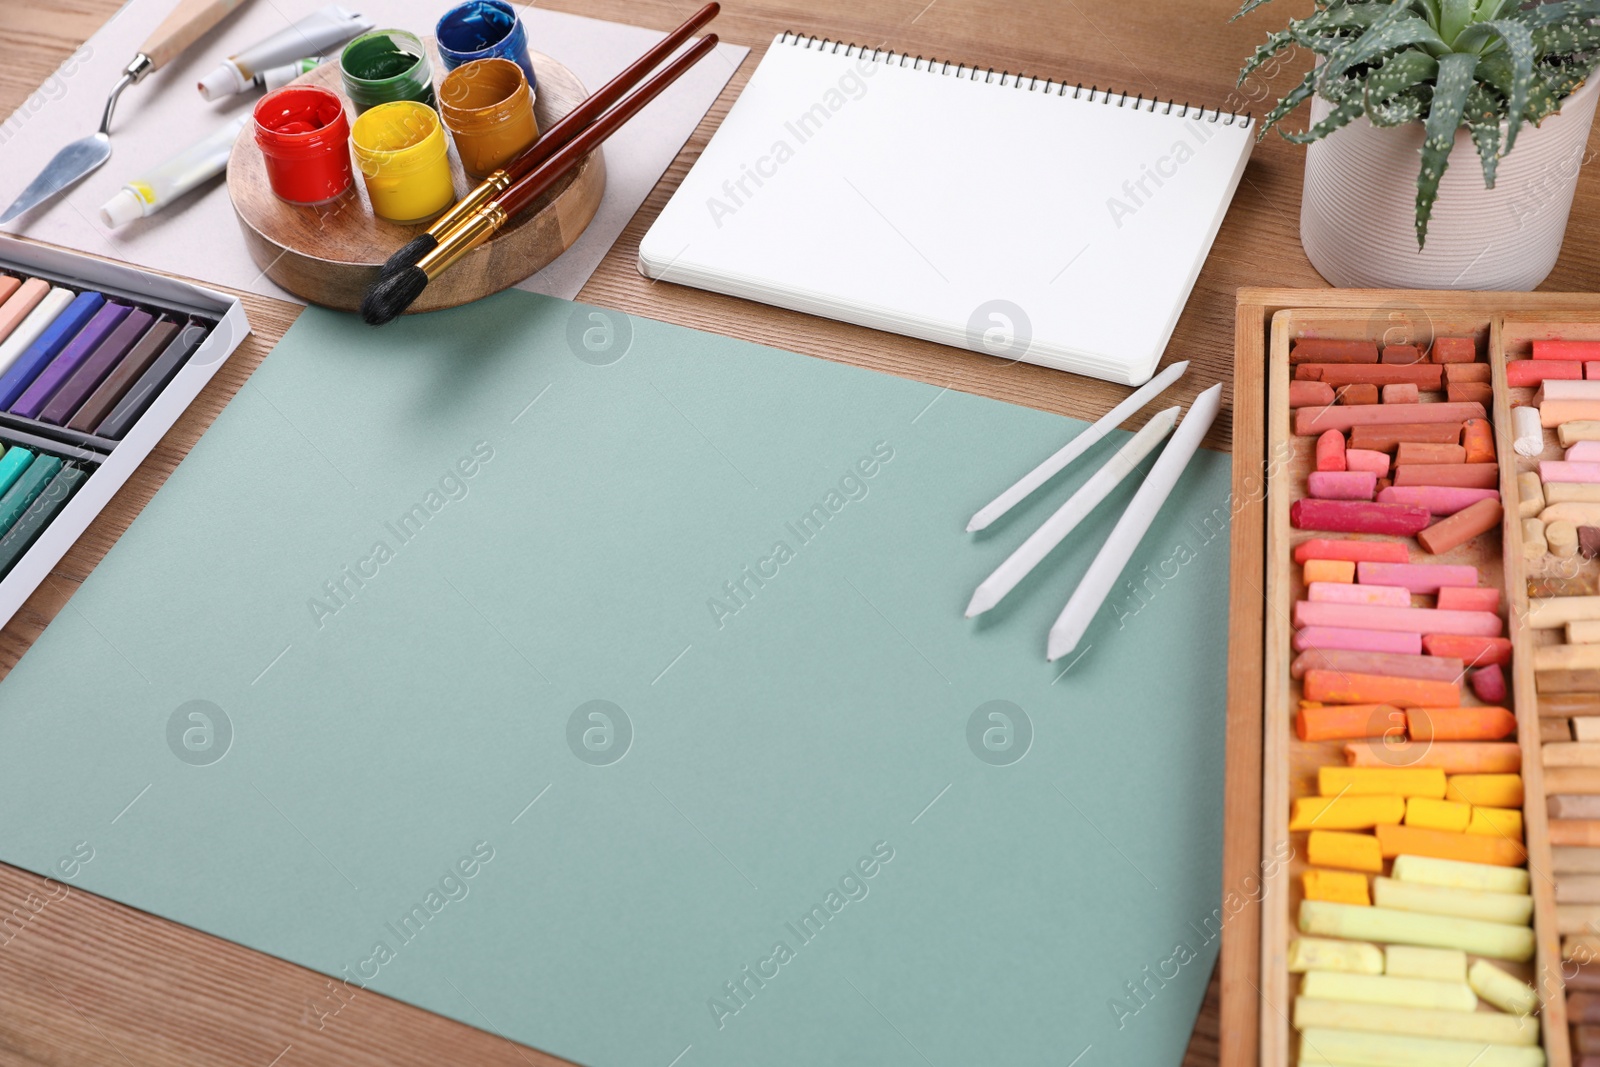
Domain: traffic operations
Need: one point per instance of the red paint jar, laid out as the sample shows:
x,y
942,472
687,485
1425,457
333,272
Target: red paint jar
x,y
304,141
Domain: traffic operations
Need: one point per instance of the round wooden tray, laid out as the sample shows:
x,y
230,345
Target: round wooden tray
x,y
329,254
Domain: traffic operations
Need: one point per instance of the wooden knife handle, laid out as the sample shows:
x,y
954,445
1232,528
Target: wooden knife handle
x,y
185,25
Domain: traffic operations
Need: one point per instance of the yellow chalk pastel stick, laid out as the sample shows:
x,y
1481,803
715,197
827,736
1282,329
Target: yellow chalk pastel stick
x,y
1490,1028
1347,887
1352,852
1500,989
1414,961
1346,812
1348,1048
1459,874
1326,954
1431,814
1500,941
1489,790
1381,989
1516,908
1381,781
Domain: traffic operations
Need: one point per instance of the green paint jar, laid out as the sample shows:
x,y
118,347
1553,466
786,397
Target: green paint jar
x,y
384,66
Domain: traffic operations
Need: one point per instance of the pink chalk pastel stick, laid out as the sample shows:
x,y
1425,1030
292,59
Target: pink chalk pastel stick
x,y
1489,684
1407,620
1330,451
1366,459
1584,451
1462,598
1350,593
1555,470
1358,640
1417,577
1358,516
1438,499
1342,485
1387,664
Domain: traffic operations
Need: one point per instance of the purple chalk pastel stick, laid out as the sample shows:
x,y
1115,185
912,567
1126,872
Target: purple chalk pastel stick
x,y
88,377
69,359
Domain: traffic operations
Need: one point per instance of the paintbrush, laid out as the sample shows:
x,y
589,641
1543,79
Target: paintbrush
x,y
392,295
567,127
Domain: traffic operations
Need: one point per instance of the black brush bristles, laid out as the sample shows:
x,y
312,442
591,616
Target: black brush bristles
x,y
392,295
409,253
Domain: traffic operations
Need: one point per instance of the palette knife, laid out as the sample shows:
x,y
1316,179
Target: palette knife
x,y
185,25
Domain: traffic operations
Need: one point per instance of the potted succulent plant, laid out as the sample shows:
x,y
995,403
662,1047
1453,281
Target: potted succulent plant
x,y
1404,94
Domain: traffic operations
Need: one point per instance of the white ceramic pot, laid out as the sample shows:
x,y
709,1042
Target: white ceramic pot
x,y
1358,209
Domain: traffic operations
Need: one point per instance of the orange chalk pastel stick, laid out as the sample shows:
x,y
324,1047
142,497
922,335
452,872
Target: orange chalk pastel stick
x,y
1471,651
1452,757
1341,687
1454,475
1447,845
1356,551
1341,722
1461,527
1478,439
1338,848
1328,350
1459,724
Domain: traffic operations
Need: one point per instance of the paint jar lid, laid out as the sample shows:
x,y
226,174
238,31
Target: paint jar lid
x,y
121,209
397,138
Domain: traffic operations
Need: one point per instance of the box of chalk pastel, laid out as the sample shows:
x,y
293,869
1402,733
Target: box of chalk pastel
x,y
1421,712
97,361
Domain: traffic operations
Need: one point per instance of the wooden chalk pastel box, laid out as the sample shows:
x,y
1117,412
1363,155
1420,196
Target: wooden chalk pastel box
x,y
1412,868
329,254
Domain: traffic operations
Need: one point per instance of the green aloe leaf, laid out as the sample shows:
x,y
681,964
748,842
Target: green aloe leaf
x,y
1519,50
1398,28
1320,33
1397,111
1400,72
1455,16
1550,14
1249,6
1564,38
1550,88
1444,118
1291,100
1344,112
1483,122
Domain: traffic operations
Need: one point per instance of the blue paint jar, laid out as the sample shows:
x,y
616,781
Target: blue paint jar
x,y
483,29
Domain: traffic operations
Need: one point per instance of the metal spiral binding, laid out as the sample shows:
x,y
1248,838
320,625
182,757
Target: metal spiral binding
x,y
1018,80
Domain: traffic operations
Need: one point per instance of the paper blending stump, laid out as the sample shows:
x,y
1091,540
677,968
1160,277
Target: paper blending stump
x,y
368,746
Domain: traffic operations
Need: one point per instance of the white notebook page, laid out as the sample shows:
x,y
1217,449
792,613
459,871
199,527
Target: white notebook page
x,y
919,200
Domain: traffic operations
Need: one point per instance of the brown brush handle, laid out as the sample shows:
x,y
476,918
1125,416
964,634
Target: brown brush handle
x,y
187,22
546,174
570,124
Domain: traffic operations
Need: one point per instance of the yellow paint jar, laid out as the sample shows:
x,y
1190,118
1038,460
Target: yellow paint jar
x,y
488,109
401,150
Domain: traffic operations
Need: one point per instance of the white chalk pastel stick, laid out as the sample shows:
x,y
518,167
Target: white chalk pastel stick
x,y
1114,555
1075,447
1527,431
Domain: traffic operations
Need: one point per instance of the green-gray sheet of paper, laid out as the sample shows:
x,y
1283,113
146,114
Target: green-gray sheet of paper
x,y
377,739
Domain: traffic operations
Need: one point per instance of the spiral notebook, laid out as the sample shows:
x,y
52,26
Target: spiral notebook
x,y
1024,217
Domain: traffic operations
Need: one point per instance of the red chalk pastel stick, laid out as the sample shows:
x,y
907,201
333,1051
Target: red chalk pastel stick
x,y
1471,651
1309,394
1358,516
1438,499
1357,640
1425,578
1330,451
1433,668
1342,485
1571,350
1521,373
1454,350
1461,598
1328,350
1461,527
1341,548
1406,620
1455,475
1428,376
1309,421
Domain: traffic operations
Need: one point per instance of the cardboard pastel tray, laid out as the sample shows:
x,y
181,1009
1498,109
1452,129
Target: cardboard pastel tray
x,y
1267,766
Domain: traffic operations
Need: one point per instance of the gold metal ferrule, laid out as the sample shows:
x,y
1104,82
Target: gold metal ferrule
x,y
487,190
464,238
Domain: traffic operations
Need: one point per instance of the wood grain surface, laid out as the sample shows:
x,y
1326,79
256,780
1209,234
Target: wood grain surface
x,y
85,981
332,252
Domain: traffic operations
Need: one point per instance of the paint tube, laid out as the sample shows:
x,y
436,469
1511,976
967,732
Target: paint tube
x,y
322,29
156,188
278,77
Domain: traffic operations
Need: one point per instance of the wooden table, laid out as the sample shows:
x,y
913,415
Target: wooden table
x,y
86,981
